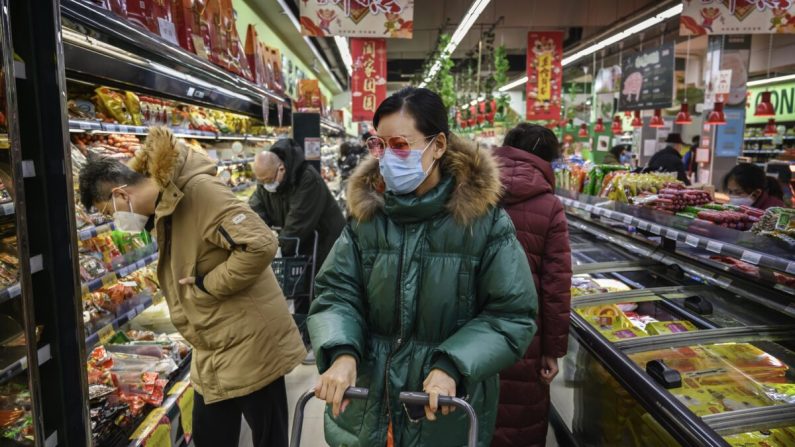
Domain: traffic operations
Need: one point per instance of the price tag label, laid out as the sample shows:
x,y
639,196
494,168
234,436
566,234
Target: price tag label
x,y
714,246
160,436
790,268
168,31
84,125
691,241
722,282
643,225
751,257
671,234
589,208
656,229
198,46
627,220
131,314
152,420
185,403
106,333
108,279
129,284
15,290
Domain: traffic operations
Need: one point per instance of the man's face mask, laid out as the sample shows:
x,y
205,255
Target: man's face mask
x,y
128,221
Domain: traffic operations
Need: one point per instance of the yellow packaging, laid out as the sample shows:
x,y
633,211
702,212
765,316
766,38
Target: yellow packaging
x,y
133,105
669,327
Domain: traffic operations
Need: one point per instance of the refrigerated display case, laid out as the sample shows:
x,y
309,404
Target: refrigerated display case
x,y
682,333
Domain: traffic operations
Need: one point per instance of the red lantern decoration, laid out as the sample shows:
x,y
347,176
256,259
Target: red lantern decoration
x,y
637,122
770,128
600,126
716,116
627,113
683,117
657,120
618,125
583,131
765,106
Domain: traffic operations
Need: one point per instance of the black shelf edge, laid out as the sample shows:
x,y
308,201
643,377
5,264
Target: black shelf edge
x,y
88,233
18,366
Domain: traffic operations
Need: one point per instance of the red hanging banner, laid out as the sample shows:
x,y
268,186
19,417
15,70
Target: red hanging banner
x,y
368,80
544,75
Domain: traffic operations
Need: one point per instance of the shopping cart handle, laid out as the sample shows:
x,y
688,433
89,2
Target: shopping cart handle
x,y
298,418
415,398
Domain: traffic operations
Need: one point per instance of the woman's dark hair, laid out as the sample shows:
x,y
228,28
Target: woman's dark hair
x,y
538,140
751,177
425,106
617,150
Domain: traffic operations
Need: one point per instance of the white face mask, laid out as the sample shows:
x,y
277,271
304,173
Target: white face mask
x,y
741,200
128,220
271,187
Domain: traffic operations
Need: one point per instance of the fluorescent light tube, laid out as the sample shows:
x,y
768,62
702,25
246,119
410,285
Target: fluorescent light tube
x,y
771,80
345,52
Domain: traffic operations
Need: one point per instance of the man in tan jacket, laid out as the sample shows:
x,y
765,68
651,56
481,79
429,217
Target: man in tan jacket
x,y
214,269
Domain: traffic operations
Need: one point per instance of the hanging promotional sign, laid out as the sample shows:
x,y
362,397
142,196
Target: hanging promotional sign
x,y
358,18
368,79
309,96
700,17
608,79
647,79
781,95
727,59
544,75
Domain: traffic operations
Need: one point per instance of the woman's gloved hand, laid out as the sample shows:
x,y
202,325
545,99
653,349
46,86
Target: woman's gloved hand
x,y
335,381
438,383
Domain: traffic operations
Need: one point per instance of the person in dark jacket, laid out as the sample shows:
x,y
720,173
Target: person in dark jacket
x,y
292,195
747,184
617,155
427,289
669,159
529,198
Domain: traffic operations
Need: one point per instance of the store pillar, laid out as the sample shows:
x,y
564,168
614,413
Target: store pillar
x,y
306,132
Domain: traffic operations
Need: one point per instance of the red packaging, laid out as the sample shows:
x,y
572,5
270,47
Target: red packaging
x,y
276,67
183,14
238,54
254,56
150,14
117,6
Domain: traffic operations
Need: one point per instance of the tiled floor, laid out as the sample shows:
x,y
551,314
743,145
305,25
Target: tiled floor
x,y
299,381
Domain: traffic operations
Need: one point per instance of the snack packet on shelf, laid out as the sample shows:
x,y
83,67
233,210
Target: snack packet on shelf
x,y
669,327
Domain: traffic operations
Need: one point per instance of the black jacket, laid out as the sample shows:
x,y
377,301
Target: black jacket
x,y
669,160
301,205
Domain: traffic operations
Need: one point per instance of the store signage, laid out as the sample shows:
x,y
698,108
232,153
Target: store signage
x,y
545,75
368,80
608,79
727,57
309,96
701,17
358,18
647,79
781,95
729,137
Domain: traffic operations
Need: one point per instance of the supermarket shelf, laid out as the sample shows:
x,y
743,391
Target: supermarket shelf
x,y
771,152
88,233
715,239
236,161
19,365
752,419
785,137
329,125
76,126
7,209
242,187
617,266
743,334
115,325
179,398
111,277
648,294
10,292
96,127
120,51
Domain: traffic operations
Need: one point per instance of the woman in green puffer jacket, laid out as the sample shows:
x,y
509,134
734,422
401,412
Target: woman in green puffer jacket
x,y
427,289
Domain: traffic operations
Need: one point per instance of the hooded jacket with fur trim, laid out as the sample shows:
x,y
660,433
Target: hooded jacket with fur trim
x,y
236,317
420,283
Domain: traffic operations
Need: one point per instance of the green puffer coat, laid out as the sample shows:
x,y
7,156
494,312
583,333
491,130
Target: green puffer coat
x,y
417,283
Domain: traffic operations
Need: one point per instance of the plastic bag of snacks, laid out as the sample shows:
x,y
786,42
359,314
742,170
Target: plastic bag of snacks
x,y
111,105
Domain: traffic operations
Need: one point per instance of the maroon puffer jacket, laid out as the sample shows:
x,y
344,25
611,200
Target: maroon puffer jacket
x,y
543,232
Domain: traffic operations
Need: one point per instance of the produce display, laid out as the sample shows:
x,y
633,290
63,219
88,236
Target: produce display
x,y
9,269
778,223
107,303
119,146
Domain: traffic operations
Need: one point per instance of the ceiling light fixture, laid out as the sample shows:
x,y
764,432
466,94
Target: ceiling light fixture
x,y
345,53
315,51
771,80
463,28
615,38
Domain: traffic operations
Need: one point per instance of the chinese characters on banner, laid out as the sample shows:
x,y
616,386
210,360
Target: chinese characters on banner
x,y
368,80
544,74
358,18
701,17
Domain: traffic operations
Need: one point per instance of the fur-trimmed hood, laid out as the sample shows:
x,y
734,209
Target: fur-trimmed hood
x,y
475,172
168,160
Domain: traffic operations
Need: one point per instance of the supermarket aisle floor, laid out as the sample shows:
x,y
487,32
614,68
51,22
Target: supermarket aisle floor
x,y
300,380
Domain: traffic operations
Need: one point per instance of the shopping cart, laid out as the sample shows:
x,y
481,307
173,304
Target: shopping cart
x,y
296,276
406,398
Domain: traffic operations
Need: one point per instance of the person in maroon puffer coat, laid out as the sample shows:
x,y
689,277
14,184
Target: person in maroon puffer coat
x,y
541,227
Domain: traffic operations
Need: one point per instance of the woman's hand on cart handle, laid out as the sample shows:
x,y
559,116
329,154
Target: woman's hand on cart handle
x,y
438,383
335,381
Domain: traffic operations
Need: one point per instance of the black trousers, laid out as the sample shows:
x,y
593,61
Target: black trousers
x,y
218,424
